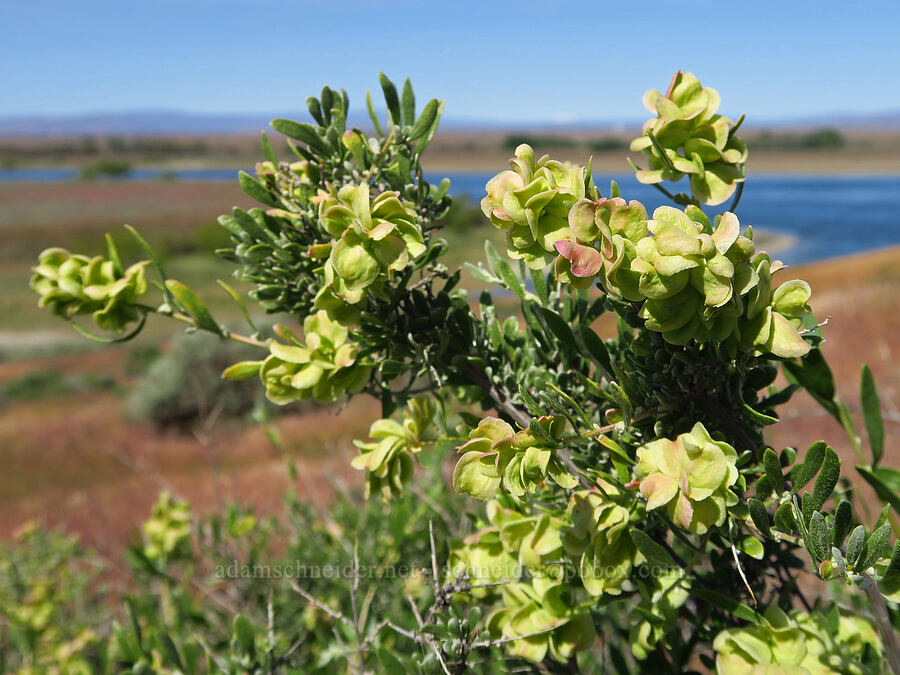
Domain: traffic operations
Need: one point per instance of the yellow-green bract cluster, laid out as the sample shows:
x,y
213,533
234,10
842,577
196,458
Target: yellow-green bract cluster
x,y
510,545
691,476
497,456
167,532
532,204
598,539
691,140
72,284
388,460
371,239
323,368
697,280
797,643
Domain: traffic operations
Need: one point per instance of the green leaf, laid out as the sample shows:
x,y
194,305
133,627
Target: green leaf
x,y
876,545
244,635
151,254
257,190
801,474
426,120
540,433
239,302
189,301
315,109
135,623
656,555
242,370
872,414
752,547
843,517
407,104
268,152
481,274
429,135
773,470
529,401
760,516
838,559
886,482
305,133
621,398
501,268
728,603
759,418
855,545
390,98
113,254
372,115
560,329
390,664
784,519
894,566
171,650
818,535
596,348
828,478
539,280
814,375
112,340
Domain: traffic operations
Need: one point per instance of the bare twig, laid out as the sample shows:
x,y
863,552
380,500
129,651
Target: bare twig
x,y
883,620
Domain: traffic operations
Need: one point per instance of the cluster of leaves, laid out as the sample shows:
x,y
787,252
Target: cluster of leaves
x,y
631,493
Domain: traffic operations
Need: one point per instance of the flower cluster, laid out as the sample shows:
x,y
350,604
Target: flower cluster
x,y
388,461
540,604
71,284
691,476
371,239
546,611
496,456
598,537
532,203
167,533
688,137
697,280
324,368
799,643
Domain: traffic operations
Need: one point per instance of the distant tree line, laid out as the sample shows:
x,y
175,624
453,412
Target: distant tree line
x,y
559,142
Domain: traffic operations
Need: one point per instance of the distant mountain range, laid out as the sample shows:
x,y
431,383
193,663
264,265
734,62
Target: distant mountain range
x,y
158,122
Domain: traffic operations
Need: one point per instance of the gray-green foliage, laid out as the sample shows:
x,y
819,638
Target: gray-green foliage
x,y
183,386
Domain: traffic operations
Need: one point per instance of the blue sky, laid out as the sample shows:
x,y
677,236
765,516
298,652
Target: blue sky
x,y
523,61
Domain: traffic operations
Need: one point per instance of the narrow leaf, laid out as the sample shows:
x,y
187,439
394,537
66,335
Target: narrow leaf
x,y
189,301
372,115
425,121
596,348
390,98
773,470
876,545
560,329
268,152
760,516
407,104
801,474
872,415
656,555
257,190
855,545
239,302
842,520
305,133
828,478
728,603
